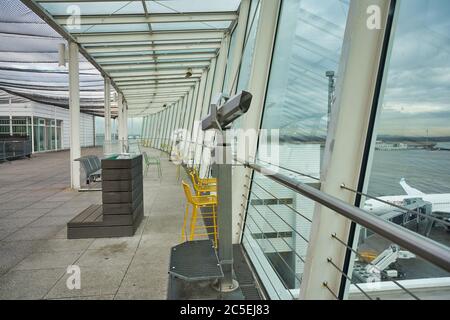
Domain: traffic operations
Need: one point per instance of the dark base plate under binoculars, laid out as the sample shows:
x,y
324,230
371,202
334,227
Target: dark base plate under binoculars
x,y
194,269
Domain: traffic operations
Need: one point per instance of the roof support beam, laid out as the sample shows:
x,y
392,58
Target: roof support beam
x,y
106,37
149,92
154,94
194,77
114,49
162,65
148,57
151,100
150,103
156,82
158,88
181,73
44,15
152,18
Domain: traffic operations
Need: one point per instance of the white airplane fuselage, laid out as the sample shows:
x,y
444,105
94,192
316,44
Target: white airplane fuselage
x,y
440,202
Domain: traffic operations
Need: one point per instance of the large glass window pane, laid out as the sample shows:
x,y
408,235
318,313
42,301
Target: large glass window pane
x,y
129,27
230,58
308,47
249,46
247,55
48,134
410,157
59,134
107,8
4,126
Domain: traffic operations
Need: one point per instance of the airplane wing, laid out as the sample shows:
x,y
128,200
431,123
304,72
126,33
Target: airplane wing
x,y
410,191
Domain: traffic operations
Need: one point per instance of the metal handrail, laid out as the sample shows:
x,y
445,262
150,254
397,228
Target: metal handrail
x,y
428,249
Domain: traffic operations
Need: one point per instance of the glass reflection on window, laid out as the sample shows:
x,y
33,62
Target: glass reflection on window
x,y
300,94
410,159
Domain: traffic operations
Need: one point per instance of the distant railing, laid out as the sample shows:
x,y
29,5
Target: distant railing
x,y
122,146
12,149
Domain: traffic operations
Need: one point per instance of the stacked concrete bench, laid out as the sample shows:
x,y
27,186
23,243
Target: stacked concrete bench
x,y
123,205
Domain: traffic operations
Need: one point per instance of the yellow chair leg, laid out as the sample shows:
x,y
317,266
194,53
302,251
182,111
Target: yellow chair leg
x,y
183,231
215,226
193,223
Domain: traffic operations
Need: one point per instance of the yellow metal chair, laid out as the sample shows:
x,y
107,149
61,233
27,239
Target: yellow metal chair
x,y
200,189
198,202
203,181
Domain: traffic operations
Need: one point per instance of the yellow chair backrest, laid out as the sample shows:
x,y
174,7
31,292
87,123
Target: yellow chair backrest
x,y
193,178
187,191
195,171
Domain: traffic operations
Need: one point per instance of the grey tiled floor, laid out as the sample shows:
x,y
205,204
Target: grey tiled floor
x,y
36,204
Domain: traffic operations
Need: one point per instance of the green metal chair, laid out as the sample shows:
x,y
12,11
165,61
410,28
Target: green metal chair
x,y
152,161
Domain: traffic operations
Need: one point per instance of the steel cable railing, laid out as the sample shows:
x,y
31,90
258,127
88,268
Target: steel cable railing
x,y
417,244
329,260
384,273
269,224
284,220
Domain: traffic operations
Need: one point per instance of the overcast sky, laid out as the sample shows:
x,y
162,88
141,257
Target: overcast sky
x,y
417,96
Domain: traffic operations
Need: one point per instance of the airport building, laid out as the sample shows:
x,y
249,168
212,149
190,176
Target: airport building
x,y
226,149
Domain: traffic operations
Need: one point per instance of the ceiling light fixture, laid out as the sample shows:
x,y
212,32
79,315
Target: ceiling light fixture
x,y
188,73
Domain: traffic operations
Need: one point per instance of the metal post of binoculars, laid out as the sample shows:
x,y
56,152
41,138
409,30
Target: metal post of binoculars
x,y
222,171
220,119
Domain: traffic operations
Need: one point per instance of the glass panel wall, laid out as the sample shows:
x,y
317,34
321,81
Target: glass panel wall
x,y
20,126
5,126
410,156
307,51
249,45
47,134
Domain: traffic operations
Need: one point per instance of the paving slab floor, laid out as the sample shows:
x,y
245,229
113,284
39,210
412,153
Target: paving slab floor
x,y
35,205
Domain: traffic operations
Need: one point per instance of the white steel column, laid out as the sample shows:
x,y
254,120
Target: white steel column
x,y
220,68
179,108
32,131
158,130
107,109
198,111
10,118
120,118
258,82
150,129
344,148
125,121
208,88
164,128
161,129
56,129
74,105
172,119
144,128
201,94
192,109
187,110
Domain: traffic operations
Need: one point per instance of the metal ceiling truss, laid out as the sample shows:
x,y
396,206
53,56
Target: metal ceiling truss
x,y
151,18
150,68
